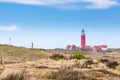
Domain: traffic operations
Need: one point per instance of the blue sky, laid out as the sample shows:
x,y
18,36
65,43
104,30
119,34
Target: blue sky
x,y
56,23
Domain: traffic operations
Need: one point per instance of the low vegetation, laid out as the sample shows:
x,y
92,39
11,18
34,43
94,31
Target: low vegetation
x,y
10,53
66,73
57,65
57,56
110,63
13,75
78,56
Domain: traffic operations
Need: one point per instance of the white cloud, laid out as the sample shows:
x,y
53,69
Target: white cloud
x,y
35,2
8,28
101,4
88,4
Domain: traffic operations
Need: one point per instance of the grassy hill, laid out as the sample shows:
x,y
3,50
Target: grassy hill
x,y
9,52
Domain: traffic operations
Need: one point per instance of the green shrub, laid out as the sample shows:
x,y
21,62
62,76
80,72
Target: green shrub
x,y
57,59
109,50
118,68
78,56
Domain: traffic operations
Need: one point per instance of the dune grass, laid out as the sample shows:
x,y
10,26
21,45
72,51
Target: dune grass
x,y
20,53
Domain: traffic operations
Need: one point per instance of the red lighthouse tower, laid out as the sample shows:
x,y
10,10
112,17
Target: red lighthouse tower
x,y
83,41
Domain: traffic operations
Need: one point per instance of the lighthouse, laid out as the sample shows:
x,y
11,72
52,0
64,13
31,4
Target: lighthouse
x,y
83,41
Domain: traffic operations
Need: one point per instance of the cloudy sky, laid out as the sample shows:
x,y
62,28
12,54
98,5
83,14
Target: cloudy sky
x,y
56,23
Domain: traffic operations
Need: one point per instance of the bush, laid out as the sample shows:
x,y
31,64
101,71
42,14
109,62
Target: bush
x,y
112,65
15,76
57,56
78,56
87,64
11,75
104,60
66,73
69,73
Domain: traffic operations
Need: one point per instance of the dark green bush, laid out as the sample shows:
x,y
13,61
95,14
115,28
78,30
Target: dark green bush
x,y
78,56
87,64
57,56
104,60
112,65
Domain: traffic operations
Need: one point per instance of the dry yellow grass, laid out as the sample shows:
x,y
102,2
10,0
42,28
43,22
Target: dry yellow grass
x,y
36,62
13,53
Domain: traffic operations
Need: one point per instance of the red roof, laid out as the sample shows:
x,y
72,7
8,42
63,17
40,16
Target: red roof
x,y
89,47
103,46
97,47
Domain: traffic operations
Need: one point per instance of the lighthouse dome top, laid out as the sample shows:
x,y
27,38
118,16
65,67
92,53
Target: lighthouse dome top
x,y
83,32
